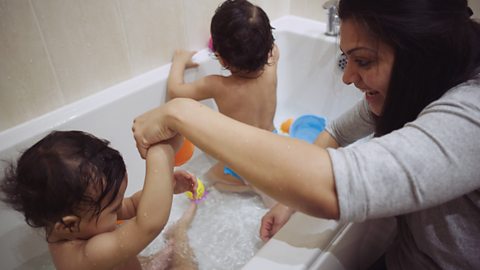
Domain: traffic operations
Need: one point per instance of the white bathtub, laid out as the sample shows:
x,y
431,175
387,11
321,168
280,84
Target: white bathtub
x,y
309,82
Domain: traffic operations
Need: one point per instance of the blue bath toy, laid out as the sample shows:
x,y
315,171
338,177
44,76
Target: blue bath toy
x,y
307,127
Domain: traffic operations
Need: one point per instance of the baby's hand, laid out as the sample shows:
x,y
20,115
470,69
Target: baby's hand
x,y
183,182
185,57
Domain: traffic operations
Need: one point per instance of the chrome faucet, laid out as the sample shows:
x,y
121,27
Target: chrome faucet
x,y
333,21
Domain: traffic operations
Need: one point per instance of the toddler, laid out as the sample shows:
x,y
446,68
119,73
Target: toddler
x,y
72,184
243,43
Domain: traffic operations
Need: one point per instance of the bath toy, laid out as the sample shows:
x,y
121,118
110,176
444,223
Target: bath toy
x,y
201,192
307,127
210,44
285,126
185,152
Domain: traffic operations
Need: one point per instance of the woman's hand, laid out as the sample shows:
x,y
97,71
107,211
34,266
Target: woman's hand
x,y
183,182
150,128
274,220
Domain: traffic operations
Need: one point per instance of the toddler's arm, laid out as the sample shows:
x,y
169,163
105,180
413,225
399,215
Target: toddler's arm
x,y
110,249
129,206
176,86
183,181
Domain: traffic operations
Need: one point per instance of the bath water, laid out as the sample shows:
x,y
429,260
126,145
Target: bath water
x,y
225,231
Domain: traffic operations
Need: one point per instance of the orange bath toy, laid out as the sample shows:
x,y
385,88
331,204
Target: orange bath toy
x,y
285,127
185,152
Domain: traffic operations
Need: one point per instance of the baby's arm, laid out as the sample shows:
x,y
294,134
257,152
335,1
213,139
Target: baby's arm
x,y
183,181
176,86
111,249
129,206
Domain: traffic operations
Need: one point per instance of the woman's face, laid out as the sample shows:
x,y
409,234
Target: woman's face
x,y
369,64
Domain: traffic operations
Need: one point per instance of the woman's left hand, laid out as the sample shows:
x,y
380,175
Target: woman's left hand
x,y
150,128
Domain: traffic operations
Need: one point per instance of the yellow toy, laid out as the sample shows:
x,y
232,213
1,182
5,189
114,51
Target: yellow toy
x,y
201,192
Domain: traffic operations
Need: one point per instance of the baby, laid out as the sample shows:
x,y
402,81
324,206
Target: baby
x,y
72,184
243,43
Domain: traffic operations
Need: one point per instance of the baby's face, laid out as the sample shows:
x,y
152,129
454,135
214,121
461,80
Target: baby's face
x,y
107,221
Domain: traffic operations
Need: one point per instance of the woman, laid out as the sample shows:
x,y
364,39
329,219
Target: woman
x,y
418,63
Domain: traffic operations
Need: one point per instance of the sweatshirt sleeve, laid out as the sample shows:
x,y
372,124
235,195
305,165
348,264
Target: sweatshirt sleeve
x,y
353,125
428,162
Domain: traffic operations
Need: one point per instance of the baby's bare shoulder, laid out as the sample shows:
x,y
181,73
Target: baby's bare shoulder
x,y
63,253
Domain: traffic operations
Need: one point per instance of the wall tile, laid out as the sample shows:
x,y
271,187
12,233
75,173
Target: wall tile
x,y
274,8
154,29
298,7
475,5
198,15
86,43
27,82
311,9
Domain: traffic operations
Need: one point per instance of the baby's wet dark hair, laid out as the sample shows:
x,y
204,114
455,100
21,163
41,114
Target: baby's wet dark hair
x,y
64,173
242,35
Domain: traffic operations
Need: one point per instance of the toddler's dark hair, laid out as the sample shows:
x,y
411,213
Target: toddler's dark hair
x,y
242,35
64,173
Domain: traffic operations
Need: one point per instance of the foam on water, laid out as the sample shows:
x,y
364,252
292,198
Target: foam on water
x,y
224,232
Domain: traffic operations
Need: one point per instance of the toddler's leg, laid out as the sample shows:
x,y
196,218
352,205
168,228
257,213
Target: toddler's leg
x,y
177,253
158,261
225,182
232,188
183,256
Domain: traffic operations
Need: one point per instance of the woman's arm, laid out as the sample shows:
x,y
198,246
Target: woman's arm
x,y
291,171
278,216
325,140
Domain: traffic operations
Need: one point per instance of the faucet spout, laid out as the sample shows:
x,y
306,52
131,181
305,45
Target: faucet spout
x,y
333,21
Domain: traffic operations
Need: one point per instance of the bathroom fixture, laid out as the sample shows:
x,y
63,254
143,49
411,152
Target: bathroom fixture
x,y
333,21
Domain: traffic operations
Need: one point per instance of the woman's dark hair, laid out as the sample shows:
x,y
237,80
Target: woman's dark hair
x,y
62,174
242,35
436,45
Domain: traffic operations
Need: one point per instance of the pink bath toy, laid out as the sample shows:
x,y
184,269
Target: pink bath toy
x,y
210,44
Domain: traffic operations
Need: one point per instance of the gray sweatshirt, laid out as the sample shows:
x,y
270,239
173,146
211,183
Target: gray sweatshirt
x,y
426,174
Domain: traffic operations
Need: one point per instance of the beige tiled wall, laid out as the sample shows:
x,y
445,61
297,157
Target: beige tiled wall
x,y
475,5
311,9
54,52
